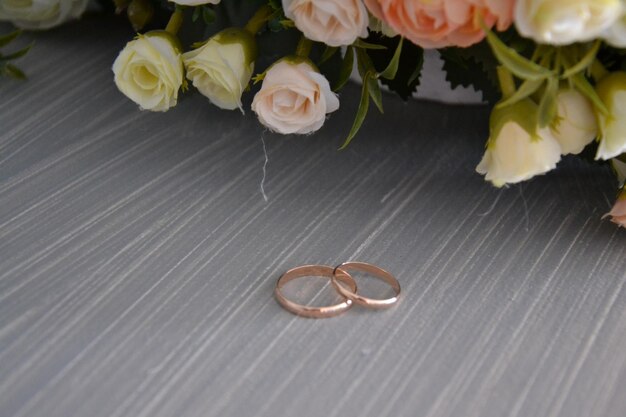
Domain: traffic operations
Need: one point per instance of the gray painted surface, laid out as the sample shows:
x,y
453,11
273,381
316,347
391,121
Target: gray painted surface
x,y
138,258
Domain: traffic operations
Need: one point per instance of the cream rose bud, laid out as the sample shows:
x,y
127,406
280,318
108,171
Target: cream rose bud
x,y
575,126
565,21
221,68
149,71
334,22
40,14
618,212
517,149
616,34
294,98
612,91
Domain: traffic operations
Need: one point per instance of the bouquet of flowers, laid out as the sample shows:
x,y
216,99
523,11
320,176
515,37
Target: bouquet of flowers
x,y
554,71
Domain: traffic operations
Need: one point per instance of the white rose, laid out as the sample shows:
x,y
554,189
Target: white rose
x,y
616,34
612,91
41,14
195,2
565,21
294,98
221,68
334,22
575,126
149,71
517,149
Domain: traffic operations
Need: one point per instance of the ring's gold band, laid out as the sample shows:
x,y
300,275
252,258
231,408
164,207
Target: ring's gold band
x,y
342,271
318,271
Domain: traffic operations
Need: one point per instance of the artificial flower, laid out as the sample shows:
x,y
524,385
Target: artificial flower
x,y
565,21
442,23
517,148
41,14
612,91
294,98
618,212
140,13
616,34
619,167
575,126
221,68
149,71
195,2
380,26
334,22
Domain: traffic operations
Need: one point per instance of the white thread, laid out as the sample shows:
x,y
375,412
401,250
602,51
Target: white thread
x,y
493,205
521,193
264,170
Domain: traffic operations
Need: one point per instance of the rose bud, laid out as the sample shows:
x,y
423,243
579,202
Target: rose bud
x,y
221,68
612,91
294,98
334,22
575,126
566,21
149,71
139,13
45,14
517,148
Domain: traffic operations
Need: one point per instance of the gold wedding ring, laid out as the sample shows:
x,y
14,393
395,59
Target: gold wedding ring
x,y
343,283
309,311
342,271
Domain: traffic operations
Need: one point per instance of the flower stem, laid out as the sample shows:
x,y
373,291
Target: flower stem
x,y
259,19
304,47
507,83
598,71
175,22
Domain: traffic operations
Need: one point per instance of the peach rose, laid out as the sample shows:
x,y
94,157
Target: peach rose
x,y
441,23
618,213
294,98
334,22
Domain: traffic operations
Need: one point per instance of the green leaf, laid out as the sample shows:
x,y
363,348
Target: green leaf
x,y
14,72
346,69
416,73
375,93
359,43
208,15
582,85
406,79
275,4
392,69
548,105
196,13
8,38
327,54
520,66
525,90
474,67
364,62
16,55
585,62
360,114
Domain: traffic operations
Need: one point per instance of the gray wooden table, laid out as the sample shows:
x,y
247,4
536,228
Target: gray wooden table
x,y
138,257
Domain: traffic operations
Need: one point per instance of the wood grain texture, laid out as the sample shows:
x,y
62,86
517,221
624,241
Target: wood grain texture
x,y
138,258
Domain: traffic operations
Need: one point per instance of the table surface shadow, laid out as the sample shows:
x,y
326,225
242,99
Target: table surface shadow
x,y
138,256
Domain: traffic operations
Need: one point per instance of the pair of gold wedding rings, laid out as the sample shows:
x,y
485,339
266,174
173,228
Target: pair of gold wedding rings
x,y
343,283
